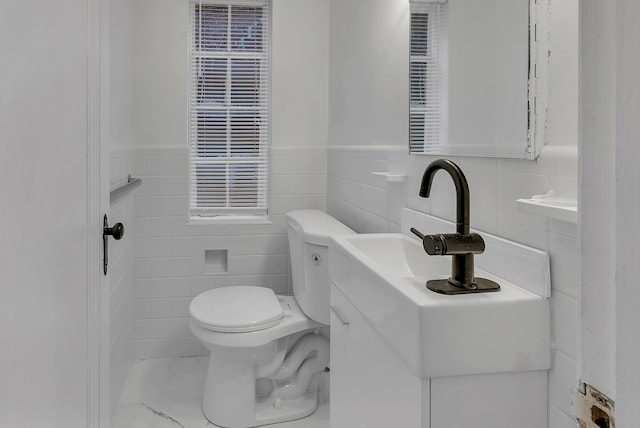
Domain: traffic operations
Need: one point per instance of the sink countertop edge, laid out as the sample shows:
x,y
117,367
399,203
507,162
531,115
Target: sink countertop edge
x,y
430,311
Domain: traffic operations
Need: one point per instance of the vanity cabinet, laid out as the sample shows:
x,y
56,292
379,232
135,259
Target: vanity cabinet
x,y
371,386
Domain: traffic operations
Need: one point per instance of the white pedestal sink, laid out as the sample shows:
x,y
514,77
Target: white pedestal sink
x,y
482,348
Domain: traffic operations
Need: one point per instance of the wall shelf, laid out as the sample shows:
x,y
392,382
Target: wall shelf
x,y
550,206
392,177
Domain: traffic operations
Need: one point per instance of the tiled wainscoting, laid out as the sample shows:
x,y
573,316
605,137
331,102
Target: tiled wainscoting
x,y
364,201
170,263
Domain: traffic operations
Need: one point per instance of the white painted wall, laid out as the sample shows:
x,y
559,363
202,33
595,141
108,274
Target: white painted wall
x,y
44,238
121,75
597,217
627,214
300,74
170,263
369,81
368,132
160,66
609,203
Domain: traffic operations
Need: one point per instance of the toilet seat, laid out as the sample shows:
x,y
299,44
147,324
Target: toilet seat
x,y
293,321
238,309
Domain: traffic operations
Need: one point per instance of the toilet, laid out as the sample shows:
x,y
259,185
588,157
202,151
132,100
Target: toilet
x,y
267,352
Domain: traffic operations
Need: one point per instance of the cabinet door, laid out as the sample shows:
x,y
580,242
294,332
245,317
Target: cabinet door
x,y
370,386
494,400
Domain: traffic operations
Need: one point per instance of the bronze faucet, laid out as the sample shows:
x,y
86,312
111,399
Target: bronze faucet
x,y
462,245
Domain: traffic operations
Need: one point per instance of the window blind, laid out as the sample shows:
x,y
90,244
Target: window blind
x,y
229,107
427,74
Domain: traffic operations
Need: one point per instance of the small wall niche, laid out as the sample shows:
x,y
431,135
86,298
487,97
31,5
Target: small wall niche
x,y
216,261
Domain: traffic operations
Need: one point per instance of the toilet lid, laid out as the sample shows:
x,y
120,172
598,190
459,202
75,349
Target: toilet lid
x,y
238,309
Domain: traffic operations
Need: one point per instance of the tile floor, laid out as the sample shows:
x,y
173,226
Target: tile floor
x,y
166,393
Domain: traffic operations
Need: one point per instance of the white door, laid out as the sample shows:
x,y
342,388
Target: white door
x,y
50,204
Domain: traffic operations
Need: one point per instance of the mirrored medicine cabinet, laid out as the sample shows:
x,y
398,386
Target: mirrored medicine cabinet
x,y
478,77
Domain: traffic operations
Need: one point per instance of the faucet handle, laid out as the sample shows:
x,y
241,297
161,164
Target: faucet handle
x,y
444,244
447,244
417,233
434,245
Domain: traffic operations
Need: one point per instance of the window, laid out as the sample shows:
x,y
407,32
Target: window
x,y
427,74
229,107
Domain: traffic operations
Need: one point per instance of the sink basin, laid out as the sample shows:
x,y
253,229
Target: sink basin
x,y
436,335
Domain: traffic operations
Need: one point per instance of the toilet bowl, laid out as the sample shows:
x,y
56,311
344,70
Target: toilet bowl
x,y
266,350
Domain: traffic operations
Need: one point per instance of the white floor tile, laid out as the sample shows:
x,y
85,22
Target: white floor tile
x,y
166,393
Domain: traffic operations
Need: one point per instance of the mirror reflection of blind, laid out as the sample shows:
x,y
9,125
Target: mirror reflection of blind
x,y
229,107
427,74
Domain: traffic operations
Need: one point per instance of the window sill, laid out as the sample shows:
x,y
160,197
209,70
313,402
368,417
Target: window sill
x,y
199,221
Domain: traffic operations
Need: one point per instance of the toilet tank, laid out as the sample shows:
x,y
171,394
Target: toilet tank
x,y
310,233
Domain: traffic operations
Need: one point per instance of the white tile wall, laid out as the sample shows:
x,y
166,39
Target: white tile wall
x,y
121,276
364,201
354,197
170,265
